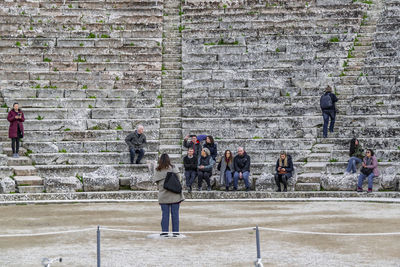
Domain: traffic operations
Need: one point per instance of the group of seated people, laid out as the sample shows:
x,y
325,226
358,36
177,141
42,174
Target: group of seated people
x,y
200,160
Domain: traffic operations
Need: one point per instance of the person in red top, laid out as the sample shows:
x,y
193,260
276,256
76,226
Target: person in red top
x,y
16,130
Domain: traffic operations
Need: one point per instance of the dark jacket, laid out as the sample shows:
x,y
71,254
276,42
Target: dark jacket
x,y
14,123
196,147
358,152
212,148
190,164
334,100
207,162
288,167
165,196
242,163
135,141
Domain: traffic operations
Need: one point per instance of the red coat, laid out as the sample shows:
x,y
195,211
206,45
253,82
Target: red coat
x,y
13,130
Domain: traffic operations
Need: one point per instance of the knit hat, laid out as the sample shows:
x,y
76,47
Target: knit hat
x,y
207,151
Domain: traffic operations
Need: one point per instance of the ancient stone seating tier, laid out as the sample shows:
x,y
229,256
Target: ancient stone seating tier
x,y
86,74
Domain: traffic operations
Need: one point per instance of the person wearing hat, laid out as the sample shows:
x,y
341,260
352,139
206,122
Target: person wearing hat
x,y
204,169
327,104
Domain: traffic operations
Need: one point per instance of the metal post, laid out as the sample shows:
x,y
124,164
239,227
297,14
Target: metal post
x,y
258,262
98,246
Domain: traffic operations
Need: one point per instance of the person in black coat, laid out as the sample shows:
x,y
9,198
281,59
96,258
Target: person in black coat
x,y
328,108
284,169
211,146
241,163
190,162
194,143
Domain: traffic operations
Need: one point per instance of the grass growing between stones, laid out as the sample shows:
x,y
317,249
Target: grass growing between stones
x,y
333,160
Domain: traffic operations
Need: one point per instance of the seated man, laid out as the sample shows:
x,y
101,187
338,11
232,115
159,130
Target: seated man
x,y
194,143
241,164
136,142
284,168
190,163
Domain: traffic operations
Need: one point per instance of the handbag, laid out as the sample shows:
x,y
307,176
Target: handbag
x,y
172,183
366,171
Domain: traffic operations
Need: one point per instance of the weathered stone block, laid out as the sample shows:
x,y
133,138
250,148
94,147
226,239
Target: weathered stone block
x,y
142,182
103,179
7,185
62,184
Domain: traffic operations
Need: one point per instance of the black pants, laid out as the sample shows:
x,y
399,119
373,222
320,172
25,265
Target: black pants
x,y
15,145
281,178
203,175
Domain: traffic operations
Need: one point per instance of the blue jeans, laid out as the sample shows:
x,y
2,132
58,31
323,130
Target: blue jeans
x,y
166,209
326,114
245,178
228,178
140,156
190,176
352,165
362,177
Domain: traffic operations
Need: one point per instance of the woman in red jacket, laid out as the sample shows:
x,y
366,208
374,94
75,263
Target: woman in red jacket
x,y
16,130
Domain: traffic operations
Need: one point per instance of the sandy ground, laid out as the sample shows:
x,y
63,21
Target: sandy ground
x,y
217,249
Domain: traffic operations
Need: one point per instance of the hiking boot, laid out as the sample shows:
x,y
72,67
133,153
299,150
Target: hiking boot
x,y
227,189
359,189
369,190
190,189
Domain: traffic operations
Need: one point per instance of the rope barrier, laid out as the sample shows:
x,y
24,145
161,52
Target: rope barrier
x,y
200,232
49,233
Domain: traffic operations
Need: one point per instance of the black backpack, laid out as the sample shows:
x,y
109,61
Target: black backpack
x,y
326,102
172,183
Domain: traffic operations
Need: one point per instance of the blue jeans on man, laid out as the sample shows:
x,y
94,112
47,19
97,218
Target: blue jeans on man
x,y
190,176
352,165
326,114
370,180
245,177
166,210
139,151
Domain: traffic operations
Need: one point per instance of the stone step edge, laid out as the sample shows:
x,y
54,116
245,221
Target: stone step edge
x,y
242,196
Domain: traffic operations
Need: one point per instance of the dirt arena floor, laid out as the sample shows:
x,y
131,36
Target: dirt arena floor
x,y
214,249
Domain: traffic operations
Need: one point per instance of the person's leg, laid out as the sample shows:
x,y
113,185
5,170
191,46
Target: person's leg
x,y
361,178
13,140
200,175
192,176
140,156
165,217
132,153
207,176
17,146
332,114
350,165
187,177
278,182
370,181
246,180
355,162
235,180
284,181
175,217
228,178
325,116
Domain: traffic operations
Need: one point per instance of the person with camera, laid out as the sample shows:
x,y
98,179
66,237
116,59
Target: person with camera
x,y
16,129
168,200
369,169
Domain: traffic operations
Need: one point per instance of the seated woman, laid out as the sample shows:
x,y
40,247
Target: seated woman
x,y
226,169
211,146
284,169
204,169
356,155
369,169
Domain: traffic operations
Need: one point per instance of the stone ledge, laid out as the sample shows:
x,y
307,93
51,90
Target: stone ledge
x,y
121,196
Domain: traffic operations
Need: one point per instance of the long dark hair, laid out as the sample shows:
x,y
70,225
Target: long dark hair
x,y
164,162
228,160
353,146
211,139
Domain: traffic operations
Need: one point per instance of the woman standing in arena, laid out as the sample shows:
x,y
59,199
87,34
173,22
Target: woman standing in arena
x,y
169,201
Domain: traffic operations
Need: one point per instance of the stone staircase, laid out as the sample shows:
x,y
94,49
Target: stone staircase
x,y
171,82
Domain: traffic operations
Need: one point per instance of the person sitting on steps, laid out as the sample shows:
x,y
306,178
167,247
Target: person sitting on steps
x,y
369,169
204,169
241,163
284,169
136,142
356,156
327,104
210,144
190,162
194,143
226,168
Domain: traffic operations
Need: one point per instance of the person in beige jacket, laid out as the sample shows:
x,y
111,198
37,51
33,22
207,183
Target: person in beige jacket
x,y
169,201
